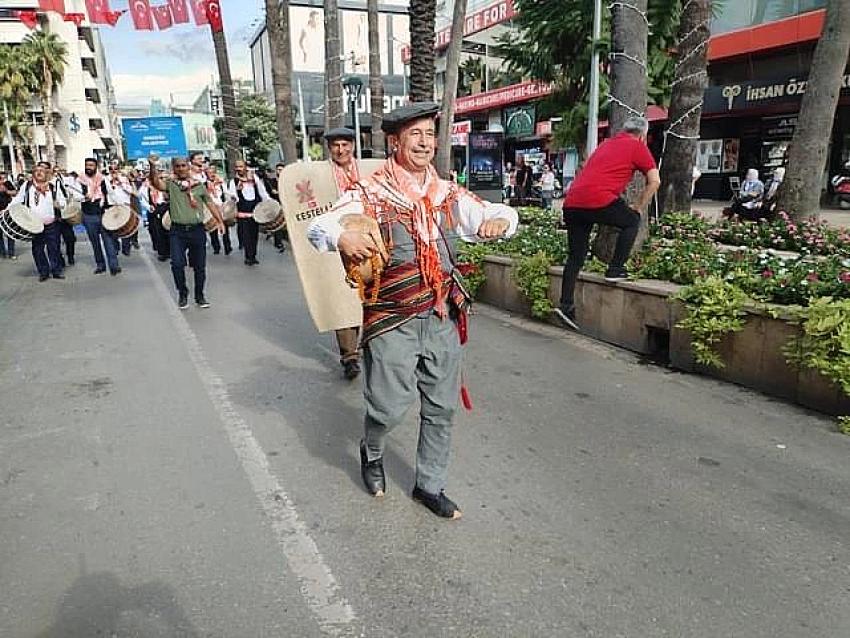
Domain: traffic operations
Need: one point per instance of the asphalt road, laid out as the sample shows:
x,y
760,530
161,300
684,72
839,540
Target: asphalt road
x,y
195,474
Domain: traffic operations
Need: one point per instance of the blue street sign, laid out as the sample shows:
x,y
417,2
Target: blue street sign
x,y
161,135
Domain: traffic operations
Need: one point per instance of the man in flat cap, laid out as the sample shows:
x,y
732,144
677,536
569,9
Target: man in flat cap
x,y
413,332
346,174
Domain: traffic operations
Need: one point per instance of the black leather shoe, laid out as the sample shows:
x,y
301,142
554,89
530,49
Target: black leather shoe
x,y
439,504
372,473
43,277
351,370
99,270
58,275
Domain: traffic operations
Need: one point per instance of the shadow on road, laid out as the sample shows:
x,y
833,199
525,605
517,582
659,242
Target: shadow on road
x,y
99,605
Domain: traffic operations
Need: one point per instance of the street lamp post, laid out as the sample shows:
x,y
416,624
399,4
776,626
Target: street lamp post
x,y
353,87
593,98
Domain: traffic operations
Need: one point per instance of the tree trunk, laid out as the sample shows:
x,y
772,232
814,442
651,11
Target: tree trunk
x,y
629,35
422,18
800,191
277,25
334,113
376,82
443,161
689,83
228,102
47,107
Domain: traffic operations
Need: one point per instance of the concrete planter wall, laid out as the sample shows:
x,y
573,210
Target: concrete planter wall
x,y
640,316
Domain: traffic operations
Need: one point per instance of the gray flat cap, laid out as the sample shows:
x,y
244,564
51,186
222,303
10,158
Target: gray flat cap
x,y
396,119
340,133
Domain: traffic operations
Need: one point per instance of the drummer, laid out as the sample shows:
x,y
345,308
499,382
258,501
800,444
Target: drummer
x,y
120,192
157,204
66,230
247,191
346,174
187,199
198,167
215,187
94,194
41,197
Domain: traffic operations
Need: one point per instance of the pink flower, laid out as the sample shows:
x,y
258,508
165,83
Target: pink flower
x,y
844,277
812,276
767,273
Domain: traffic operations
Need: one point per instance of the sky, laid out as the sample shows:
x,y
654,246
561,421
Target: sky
x,y
179,61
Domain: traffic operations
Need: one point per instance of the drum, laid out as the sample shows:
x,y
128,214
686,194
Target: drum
x,y
120,220
368,271
166,220
269,215
73,213
228,212
210,223
18,222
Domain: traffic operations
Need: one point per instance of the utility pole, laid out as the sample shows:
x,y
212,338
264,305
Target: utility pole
x,y
593,98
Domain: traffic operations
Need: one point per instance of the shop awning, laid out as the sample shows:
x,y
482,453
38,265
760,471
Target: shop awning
x,y
653,114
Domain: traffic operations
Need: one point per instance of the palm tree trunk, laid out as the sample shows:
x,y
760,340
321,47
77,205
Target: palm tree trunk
x,y
422,18
443,161
689,83
277,25
376,82
228,102
800,191
47,107
629,37
334,113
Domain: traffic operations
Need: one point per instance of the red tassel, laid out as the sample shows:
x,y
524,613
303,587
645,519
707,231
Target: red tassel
x,y
465,398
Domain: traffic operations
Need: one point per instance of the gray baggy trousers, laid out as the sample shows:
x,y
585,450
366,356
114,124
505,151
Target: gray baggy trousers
x,y
422,356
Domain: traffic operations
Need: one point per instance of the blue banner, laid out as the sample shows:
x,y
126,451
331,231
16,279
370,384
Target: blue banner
x,y
161,135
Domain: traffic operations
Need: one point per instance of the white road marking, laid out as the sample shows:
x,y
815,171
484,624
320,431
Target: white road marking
x,y
318,585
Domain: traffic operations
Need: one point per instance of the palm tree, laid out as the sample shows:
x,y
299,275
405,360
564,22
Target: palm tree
x,y
376,82
16,78
800,191
277,25
422,18
49,55
228,101
334,114
443,161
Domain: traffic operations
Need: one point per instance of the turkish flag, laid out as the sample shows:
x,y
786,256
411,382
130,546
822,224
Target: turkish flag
x,y
199,10
76,18
179,11
162,15
141,12
98,11
52,5
214,15
29,18
113,16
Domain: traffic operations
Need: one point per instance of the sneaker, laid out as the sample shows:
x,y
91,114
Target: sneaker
x,y
616,273
13,257
183,302
58,275
202,302
566,319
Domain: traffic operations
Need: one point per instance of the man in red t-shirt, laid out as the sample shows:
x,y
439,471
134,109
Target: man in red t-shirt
x,y
595,197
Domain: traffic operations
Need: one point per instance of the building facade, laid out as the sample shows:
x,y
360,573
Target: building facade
x,y
86,122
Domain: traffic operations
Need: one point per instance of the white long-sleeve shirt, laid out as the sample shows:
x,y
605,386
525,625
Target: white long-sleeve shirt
x,y
119,193
248,191
325,230
44,207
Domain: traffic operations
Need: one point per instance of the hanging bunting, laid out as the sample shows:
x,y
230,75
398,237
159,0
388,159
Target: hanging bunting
x,y
140,10
162,15
113,16
179,11
98,11
76,18
199,11
52,5
213,11
29,18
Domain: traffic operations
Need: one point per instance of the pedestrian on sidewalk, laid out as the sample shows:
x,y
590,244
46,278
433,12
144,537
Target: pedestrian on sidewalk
x,y
547,187
413,334
102,241
595,197
187,198
41,197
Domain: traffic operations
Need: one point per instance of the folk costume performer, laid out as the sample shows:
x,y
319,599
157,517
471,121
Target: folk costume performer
x,y
413,333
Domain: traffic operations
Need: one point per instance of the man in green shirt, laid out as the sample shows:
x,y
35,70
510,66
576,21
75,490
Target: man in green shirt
x,y
187,199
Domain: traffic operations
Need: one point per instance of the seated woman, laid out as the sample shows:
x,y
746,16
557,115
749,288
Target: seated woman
x,y
747,203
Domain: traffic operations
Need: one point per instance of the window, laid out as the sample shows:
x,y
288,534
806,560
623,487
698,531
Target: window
x,y
748,13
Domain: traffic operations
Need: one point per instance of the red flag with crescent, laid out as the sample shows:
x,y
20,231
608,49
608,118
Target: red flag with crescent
x,y
199,11
214,15
52,5
162,15
113,16
29,18
140,10
179,11
98,11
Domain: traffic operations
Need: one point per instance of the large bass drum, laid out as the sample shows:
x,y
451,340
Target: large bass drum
x,y
18,222
120,220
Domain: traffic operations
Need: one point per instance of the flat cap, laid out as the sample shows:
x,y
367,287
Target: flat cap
x,y
340,133
396,119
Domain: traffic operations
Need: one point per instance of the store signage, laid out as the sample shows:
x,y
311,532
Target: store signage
x,y
519,120
475,23
756,93
485,161
460,132
778,128
544,128
501,97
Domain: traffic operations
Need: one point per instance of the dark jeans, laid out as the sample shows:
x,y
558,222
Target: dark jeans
x,y
7,246
68,236
45,251
159,236
250,235
97,235
225,239
580,222
194,240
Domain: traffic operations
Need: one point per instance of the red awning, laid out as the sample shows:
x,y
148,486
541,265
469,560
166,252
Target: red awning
x,y
653,114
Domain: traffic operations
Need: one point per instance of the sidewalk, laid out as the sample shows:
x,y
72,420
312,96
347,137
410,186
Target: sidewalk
x,y
712,209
